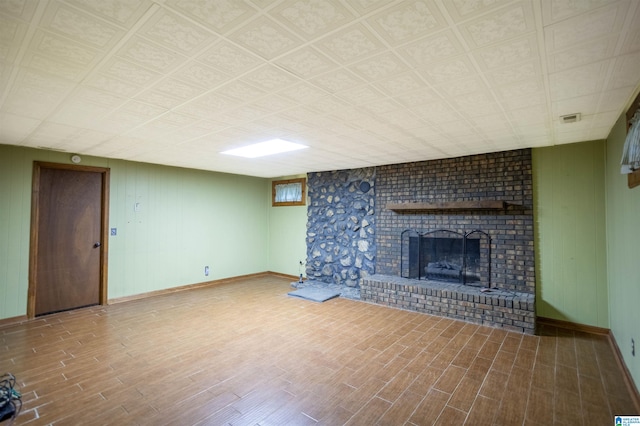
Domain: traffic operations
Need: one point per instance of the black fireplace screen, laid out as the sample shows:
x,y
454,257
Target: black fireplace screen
x,y
446,255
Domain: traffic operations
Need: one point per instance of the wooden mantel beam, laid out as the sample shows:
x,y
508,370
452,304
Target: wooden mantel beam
x,y
450,205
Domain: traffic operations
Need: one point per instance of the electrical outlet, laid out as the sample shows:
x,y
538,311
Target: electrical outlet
x,y
206,271
633,347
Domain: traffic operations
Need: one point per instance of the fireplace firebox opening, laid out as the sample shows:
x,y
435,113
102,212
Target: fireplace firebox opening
x,y
447,255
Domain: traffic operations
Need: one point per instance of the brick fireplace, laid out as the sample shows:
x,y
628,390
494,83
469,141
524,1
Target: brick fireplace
x,y
357,220
489,193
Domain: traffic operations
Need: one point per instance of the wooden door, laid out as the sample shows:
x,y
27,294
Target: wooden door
x,y
68,253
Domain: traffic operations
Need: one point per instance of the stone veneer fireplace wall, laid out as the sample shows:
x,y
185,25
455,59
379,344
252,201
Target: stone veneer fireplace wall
x,y
341,226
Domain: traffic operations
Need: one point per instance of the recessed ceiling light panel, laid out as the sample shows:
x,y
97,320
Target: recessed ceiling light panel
x,y
273,146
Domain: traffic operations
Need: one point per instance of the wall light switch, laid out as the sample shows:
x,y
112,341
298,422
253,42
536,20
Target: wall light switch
x,y
137,207
114,231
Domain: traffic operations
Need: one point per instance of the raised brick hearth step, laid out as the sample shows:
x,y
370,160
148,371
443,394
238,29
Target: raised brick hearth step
x,y
496,308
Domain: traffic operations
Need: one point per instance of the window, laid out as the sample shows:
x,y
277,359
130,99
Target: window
x,y
292,192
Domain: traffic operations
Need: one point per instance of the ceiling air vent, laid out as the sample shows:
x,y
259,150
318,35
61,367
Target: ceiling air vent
x,y
570,118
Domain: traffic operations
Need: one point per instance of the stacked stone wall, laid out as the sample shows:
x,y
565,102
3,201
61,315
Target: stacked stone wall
x,y
341,226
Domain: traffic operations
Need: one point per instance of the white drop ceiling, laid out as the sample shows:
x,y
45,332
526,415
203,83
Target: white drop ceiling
x,y
361,82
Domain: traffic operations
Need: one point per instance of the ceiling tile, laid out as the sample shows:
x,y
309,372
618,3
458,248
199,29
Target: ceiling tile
x,y
150,55
220,15
427,50
400,83
175,32
404,121
407,20
360,95
625,71
500,25
270,78
70,22
12,34
579,81
616,99
557,10
62,69
274,103
437,113
208,106
303,93
197,130
243,114
417,97
15,128
306,62
229,58
604,120
32,102
528,116
121,12
511,74
265,38
379,67
492,123
203,76
364,7
169,93
124,73
532,98
325,105
508,53
311,18
22,10
381,106
112,85
43,81
593,51
465,9
585,105
448,71
476,104
631,37
64,49
462,87
601,22
349,45
129,72
240,91
336,81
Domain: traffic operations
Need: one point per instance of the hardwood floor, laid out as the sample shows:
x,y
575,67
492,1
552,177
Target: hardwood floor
x,y
245,353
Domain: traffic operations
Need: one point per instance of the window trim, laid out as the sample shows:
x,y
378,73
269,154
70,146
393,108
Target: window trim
x,y
301,202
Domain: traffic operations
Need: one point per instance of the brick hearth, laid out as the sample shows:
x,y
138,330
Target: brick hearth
x,y
497,308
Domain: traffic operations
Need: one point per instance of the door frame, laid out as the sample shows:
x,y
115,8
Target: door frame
x,y
35,211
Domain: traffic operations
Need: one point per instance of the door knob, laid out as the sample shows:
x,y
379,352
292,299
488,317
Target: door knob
x,y
96,245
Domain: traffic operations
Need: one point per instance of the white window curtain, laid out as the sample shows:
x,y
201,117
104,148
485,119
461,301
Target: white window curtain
x,y
287,193
631,151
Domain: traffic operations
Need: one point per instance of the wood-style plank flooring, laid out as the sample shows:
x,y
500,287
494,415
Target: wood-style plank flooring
x,y
245,353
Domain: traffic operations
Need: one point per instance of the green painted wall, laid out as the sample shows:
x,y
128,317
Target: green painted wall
x,y
623,252
287,236
571,261
188,219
